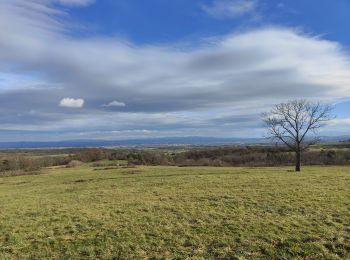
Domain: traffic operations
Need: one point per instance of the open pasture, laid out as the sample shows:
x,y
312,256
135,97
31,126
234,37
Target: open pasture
x,y
176,212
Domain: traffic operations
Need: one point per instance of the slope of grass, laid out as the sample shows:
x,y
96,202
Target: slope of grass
x,y
173,212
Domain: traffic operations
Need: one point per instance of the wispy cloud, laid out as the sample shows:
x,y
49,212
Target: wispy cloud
x,y
114,104
340,122
75,2
230,8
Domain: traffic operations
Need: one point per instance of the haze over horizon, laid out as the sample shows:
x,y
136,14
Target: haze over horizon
x,y
106,69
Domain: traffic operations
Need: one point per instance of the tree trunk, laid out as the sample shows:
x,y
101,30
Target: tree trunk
x,y
298,161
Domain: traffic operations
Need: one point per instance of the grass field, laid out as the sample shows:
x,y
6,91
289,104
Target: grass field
x,y
174,212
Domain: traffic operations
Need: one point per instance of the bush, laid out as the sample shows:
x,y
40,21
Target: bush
x,y
74,164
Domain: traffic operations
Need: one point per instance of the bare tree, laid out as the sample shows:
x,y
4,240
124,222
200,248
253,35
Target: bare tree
x,y
295,124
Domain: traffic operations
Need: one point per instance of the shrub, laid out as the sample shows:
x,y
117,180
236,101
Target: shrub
x,y
74,164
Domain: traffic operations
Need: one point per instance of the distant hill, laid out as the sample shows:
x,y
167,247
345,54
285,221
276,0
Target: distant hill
x,y
190,140
134,142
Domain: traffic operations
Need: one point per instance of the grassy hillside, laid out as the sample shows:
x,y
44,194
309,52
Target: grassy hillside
x,y
176,212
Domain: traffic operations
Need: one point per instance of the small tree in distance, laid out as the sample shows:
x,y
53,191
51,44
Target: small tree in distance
x,y
295,124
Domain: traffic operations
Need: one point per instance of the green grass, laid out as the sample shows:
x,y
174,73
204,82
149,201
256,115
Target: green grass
x,y
174,212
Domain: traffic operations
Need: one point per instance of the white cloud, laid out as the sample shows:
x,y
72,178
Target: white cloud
x,y
71,102
115,104
340,122
230,8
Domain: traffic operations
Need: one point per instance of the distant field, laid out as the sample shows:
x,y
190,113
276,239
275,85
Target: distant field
x,y
176,212
332,145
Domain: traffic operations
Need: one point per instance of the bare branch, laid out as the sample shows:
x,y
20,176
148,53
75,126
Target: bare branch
x,y
290,123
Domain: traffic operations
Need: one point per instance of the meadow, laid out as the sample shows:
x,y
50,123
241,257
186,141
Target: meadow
x,y
176,212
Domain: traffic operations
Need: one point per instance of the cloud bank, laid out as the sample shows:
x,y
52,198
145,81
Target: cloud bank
x,y
167,88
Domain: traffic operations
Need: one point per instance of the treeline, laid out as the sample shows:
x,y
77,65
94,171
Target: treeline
x,y
21,164
210,156
255,156
34,160
216,156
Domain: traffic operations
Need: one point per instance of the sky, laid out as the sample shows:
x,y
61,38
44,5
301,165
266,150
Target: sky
x,y
125,69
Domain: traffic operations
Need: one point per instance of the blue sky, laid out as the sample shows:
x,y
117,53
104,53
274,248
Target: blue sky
x,y
116,69
159,21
